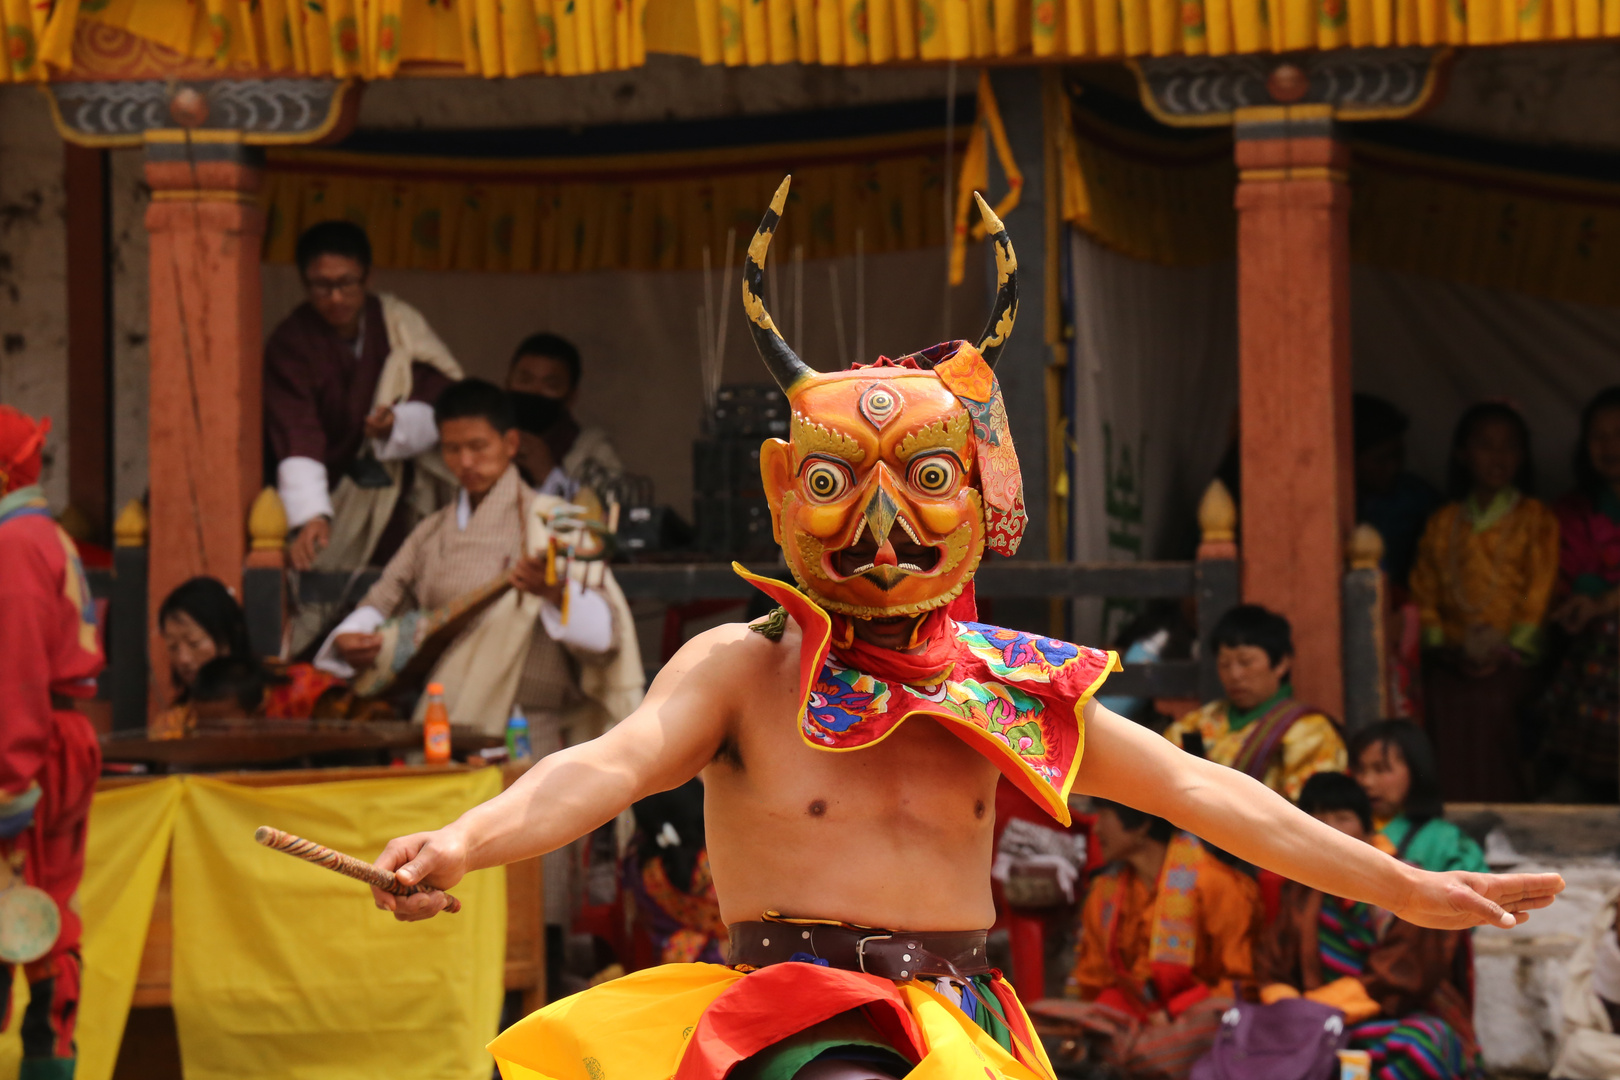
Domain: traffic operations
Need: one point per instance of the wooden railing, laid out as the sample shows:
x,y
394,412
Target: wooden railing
x,y
1211,580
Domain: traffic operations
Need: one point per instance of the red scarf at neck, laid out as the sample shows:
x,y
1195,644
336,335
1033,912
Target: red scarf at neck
x,y
929,665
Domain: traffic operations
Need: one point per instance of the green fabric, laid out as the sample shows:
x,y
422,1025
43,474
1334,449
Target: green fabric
x,y
1591,585
46,1069
1433,637
1502,502
1439,845
1238,719
847,1035
23,496
988,1021
1526,637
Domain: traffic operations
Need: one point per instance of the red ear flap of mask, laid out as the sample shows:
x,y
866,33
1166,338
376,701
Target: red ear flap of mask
x,y
1000,480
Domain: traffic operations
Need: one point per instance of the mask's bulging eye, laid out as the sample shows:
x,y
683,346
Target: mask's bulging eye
x,y
934,475
825,481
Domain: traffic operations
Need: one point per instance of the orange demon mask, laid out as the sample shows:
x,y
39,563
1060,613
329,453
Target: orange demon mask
x,y
897,474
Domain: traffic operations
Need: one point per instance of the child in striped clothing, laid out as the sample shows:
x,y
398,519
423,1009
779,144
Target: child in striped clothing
x,y
1405,991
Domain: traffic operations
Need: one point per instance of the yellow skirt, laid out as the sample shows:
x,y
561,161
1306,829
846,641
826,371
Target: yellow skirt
x,y
695,1021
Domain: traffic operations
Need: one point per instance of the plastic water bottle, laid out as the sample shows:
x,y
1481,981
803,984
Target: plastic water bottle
x,y
436,727
517,736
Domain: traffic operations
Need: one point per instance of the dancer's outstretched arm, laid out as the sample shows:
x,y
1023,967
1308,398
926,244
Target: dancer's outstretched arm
x,y
673,734
1127,763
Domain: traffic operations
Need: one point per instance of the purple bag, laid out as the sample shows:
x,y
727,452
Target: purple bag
x,y
1294,1039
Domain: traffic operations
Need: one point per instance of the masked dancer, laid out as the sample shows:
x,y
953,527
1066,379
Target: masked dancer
x,y
850,745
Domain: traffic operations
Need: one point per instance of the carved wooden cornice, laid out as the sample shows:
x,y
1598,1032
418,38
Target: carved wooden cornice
x,y
1354,84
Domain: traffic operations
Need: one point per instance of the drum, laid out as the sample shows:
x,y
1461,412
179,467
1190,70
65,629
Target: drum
x,y
29,923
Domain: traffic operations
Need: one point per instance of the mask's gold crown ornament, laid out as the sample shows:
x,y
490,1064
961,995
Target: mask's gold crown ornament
x,y
898,473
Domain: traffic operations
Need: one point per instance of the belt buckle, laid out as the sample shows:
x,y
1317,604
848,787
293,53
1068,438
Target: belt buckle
x,y
860,949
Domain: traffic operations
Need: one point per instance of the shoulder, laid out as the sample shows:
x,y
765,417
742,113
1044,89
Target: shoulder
x,y
1537,511
1442,519
1211,712
31,542
736,649
292,327
1313,729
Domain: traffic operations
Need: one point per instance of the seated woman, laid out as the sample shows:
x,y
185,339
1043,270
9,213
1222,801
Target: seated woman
x,y
1581,708
1393,761
200,622
1404,990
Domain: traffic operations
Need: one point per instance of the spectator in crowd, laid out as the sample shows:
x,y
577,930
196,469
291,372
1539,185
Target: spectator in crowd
x,y
350,378
1589,1044
571,674
1581,710
1165,947
1484,574
554,450
1258,727
201,622
1393,761
1404,990
1391,499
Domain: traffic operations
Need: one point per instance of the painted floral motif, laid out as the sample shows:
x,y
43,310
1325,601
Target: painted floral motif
x,y
1015,655
1004,711
840,699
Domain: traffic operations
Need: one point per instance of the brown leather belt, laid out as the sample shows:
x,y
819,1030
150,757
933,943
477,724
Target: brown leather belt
x,y
888,954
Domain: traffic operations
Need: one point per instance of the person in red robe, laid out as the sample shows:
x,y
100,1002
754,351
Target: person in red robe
x,y
49,755
322,367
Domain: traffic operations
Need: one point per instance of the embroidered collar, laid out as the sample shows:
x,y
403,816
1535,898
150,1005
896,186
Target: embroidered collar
x,y
1501,505
1238,719
31,495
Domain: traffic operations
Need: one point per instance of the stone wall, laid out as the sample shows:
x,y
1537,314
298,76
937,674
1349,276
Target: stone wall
x,y
33,273
1519,974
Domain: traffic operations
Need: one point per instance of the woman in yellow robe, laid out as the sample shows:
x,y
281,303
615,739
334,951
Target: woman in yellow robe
x,y
1484,574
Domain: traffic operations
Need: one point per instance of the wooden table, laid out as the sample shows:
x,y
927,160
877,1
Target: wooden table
x,y
525,894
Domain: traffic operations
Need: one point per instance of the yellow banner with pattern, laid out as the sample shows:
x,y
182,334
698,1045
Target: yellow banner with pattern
x,y
382,38
623,212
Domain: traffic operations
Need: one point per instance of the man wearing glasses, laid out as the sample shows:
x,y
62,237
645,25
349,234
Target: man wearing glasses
x,y
350,378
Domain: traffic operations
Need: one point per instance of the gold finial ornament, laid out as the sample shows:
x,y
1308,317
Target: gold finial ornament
x,y
1217,515
130,529
75,523
1365,548
267,522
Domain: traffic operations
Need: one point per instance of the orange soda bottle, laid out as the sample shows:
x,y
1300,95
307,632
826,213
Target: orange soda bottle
x,y
436,727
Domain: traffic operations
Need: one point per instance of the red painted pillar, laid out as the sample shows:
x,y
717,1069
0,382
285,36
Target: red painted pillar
x,y
1298,508
205,443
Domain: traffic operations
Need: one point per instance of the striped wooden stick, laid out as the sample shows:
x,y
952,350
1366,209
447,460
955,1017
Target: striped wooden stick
x,y
347,865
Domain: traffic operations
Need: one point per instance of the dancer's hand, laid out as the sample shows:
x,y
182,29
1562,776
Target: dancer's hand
x,y
1458,899
437,859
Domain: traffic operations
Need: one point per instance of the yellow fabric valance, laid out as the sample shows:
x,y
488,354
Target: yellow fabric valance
x,y
383,38
1163,200
1170,202
621,212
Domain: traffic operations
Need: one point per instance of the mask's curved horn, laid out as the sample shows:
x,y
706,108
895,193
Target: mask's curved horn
x,y
785,365
1002,316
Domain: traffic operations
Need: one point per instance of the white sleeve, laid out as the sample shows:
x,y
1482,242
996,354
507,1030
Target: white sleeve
x,y
301,483
590,620
362,620
414,432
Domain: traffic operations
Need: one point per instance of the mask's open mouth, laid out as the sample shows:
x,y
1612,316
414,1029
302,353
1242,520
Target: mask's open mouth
x,y
902,555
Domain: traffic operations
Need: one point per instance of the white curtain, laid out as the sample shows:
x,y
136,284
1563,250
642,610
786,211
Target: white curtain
x,y
1435,347
1154,363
